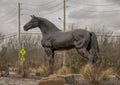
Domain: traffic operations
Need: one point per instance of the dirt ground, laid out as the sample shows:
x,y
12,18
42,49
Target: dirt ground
x,y
14,79
34,80
17,81
23,81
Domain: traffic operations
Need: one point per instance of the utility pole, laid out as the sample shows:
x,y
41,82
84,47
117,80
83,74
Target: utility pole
x,y
19,25
19,35
64,14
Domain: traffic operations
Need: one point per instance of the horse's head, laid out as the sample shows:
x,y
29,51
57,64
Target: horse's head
x,y
33,23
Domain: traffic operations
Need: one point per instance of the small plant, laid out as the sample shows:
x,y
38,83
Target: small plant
x,y
42,71
96,74
106,75
64,70
90,73
76,62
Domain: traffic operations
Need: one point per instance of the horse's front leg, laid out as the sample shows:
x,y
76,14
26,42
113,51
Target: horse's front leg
x,y
50,54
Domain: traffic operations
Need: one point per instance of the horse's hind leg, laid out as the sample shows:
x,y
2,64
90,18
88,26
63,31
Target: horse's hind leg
x,y
81,47
84,53
81,53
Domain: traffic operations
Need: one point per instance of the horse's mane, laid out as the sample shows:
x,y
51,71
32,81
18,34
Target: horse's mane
x,y
50,26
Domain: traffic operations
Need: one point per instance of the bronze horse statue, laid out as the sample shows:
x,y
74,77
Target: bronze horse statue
x,y
54,39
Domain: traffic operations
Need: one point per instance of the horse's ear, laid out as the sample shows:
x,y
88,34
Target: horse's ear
x,y
33,16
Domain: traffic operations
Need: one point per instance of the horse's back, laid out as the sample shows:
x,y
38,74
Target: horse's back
x,y
63,39
80,34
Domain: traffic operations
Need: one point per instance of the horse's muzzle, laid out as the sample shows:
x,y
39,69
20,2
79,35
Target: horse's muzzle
x,y
25,28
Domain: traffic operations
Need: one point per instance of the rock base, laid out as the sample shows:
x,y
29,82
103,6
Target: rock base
x,y
52,80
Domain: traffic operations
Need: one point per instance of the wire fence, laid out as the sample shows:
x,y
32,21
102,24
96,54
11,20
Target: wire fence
x,y
39,33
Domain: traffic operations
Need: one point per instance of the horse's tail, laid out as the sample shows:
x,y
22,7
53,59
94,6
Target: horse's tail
x,y
94,46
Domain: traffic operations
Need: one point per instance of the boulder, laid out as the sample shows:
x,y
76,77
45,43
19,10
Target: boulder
x,y
52,80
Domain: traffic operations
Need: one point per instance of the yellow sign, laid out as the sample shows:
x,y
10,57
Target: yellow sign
x,y
22,51
22,59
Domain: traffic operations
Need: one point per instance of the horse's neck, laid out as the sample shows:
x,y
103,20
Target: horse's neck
x,y
47,28
43,30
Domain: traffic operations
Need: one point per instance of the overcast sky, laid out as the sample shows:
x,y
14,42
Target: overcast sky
x,y
84,13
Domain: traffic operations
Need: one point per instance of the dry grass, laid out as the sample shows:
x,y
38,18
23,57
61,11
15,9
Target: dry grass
x,y
64,70
90,73
42,70
106,75
94,75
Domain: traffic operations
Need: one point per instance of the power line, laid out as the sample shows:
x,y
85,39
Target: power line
x,y
44,15
55,6
96,11
77,8
13,20
50,12
10,3
43,4
10,20
88,4
102,11
9,17
9,12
